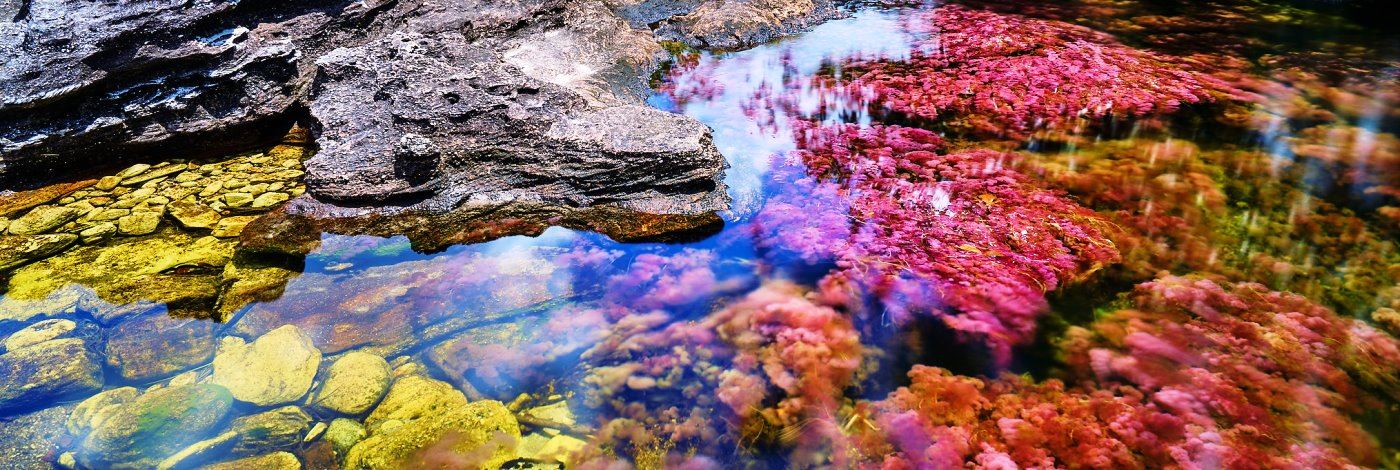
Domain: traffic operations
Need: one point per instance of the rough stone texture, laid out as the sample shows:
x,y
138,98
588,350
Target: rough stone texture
x,y
344,433
55,328
271,430
354,384
273,461
141,433
48,371
274,369
419,412
159,345
482,101
15,251
92,411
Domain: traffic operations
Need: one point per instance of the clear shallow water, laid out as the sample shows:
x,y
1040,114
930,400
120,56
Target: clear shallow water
x,y
785,339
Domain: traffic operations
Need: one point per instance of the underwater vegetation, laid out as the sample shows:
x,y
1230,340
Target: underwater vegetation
x,y
1089,234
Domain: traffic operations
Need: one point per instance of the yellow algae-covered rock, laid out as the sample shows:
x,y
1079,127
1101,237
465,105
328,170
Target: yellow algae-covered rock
x,y
131,269
354,384
274,369
273,461
480,434
414,397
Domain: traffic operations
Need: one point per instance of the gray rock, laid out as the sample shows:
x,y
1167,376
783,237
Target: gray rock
x,y
141,433
274,369
353,384
494,100
48,371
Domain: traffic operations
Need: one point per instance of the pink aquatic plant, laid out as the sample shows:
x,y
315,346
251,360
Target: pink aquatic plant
x,y
1192,374
961,236
1001,74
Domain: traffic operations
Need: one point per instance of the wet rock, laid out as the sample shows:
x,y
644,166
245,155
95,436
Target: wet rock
x,y
157,424
153,173
414,397
266,201
55,328
271,430
59,302
43,219
273,461
12,204
557,448
250,282
159,345
192,214
353,384
15,251
98,233
274,369
108,182
730,24
174,267
30,440
345,433
141,223
229,227
48,371
92,411
419,412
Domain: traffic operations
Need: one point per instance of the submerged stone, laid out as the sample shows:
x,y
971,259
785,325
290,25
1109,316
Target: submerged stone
x,y
158,345
426,412
50,329
274,369
191,214
131,270
273,461
155,425
47,371
280,428
344,433
92,411
354,384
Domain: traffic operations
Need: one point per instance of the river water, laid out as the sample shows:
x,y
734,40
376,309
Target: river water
x,y
1098,234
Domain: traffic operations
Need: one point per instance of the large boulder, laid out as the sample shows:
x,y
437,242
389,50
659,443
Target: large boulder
x,y
39,374
419,104
277,368
141,433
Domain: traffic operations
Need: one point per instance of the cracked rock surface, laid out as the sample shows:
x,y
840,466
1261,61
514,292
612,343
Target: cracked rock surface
x,y
419,105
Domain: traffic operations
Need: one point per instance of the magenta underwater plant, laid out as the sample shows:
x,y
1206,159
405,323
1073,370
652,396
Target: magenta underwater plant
x,y
1001,74
961,237
1193,374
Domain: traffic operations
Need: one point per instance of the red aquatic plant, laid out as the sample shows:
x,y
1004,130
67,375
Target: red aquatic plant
x,y
961,236
1192,373
1002,74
